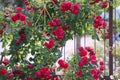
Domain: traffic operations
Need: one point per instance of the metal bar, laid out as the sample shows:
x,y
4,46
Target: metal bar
x,y
105,78
111,38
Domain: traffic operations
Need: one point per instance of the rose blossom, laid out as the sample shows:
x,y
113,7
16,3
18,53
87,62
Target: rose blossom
x,y
49,44
3,71
59,33
75,8
65,6
79,73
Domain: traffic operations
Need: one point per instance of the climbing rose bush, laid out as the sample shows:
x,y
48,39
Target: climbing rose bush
x,y
35,33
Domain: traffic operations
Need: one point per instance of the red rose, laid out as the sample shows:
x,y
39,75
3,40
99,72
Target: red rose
x,y
10,75
94,61
38,74
65,6
30,78
66,27
101,63
15,17
30,66
22,17
98,22
83,61
60,61
3,71
59,33
96,77
98,18
104,4
79,73
83,53
18,41
80,48
22,36
22,31
54,23
104,24
63,64
44,73
1,31
51,24
93,71
49,44
88,49
18,72
66,65
102,67
57,21
93,57
56,78
5,61
18,9
81,64
75,8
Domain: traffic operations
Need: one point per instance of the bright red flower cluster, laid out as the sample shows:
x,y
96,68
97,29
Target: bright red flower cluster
x,y
95,73
67,5
54,23
99,22
18,16
49,44
63,64
59,33
75,8
43,73
88,56
102,66
103,3
83,61
83,52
